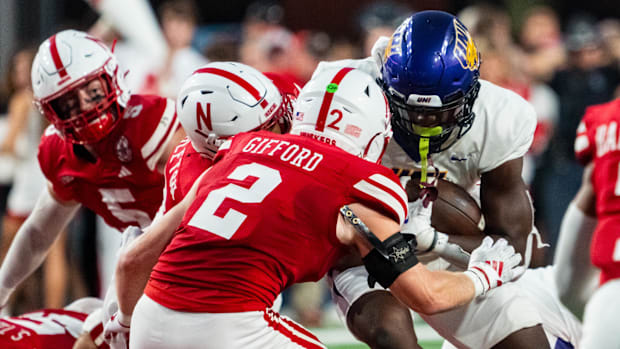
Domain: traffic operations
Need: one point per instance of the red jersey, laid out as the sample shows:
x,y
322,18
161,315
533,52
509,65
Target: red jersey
x,y
183,167
122,184
598,142
45,329
265,218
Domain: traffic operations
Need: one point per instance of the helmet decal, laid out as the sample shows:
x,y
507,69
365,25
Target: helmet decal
x,y
330,90
200,115
60,68
239,81
394,46
464,49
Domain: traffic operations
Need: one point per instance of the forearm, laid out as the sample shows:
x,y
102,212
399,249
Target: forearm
x,y
33,241
432,292
575,277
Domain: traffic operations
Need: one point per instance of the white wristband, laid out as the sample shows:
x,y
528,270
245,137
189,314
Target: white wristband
x,y
476,278
123,319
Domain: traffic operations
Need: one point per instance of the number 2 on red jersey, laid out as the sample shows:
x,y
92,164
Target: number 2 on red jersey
x,y
205,218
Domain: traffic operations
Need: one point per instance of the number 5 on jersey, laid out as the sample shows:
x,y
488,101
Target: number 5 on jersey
x,y
205,218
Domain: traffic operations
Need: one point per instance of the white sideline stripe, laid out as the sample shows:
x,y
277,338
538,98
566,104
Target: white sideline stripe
x,y
393,186
383,196
167,124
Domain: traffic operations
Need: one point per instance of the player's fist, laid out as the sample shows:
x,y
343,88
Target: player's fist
x,y
419,224
116,331
492,264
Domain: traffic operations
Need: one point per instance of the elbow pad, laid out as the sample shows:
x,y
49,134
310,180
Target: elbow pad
x,y
399,257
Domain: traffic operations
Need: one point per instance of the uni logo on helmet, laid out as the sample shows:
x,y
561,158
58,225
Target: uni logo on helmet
x,y
464,48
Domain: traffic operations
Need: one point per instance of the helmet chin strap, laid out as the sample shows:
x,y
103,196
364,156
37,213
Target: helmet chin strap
x,y
425,133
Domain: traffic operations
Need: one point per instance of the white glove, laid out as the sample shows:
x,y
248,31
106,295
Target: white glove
x,y
130,234
116,331
492,264
419,224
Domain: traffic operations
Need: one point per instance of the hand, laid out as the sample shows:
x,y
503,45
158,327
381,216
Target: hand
x,y
492,264
130,234
116,331
419,224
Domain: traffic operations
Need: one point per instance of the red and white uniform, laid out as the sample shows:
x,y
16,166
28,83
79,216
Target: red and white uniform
x,y
597,142
46,329
184,166
263,219
122,185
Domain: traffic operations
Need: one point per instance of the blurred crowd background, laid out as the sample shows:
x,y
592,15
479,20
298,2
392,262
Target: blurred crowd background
x,y
560,55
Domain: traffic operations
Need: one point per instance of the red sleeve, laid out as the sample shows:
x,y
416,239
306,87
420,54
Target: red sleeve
x,y
380,189
153,122
172,193
51,156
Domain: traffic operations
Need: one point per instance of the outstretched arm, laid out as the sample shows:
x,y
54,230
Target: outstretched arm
x,y
423,290
33,240
576,278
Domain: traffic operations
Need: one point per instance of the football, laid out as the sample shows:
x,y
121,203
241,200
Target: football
x,y
455,212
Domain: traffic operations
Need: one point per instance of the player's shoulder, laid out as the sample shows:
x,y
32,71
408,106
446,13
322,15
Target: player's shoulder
x,y
52,148
367,65
504,111
497,101
602,111
149,124
146,108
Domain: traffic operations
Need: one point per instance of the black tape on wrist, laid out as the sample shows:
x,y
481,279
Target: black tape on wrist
x,y
400,252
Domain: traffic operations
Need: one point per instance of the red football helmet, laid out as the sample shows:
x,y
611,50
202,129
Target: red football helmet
x,y
78,86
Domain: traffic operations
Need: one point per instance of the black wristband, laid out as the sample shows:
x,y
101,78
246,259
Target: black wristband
x,y
401,257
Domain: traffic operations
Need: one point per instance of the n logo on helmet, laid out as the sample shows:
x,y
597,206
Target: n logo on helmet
x,y
464,49
206,118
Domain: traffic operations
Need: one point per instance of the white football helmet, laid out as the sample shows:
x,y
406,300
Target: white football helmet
x,y
347,108
222,99
66,62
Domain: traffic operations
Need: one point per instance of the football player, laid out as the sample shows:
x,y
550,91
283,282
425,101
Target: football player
x,y
218,101
269,213
51,328
593,216
105,149
448,122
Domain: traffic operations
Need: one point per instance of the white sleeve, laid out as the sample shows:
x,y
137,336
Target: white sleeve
x,y
510,131
575,277
367,65
33,241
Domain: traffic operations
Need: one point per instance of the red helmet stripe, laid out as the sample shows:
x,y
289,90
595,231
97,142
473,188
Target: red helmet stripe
x,y
238,80
328,97
57,61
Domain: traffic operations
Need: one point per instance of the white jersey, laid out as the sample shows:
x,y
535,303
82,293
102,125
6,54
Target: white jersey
x,y
503,130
